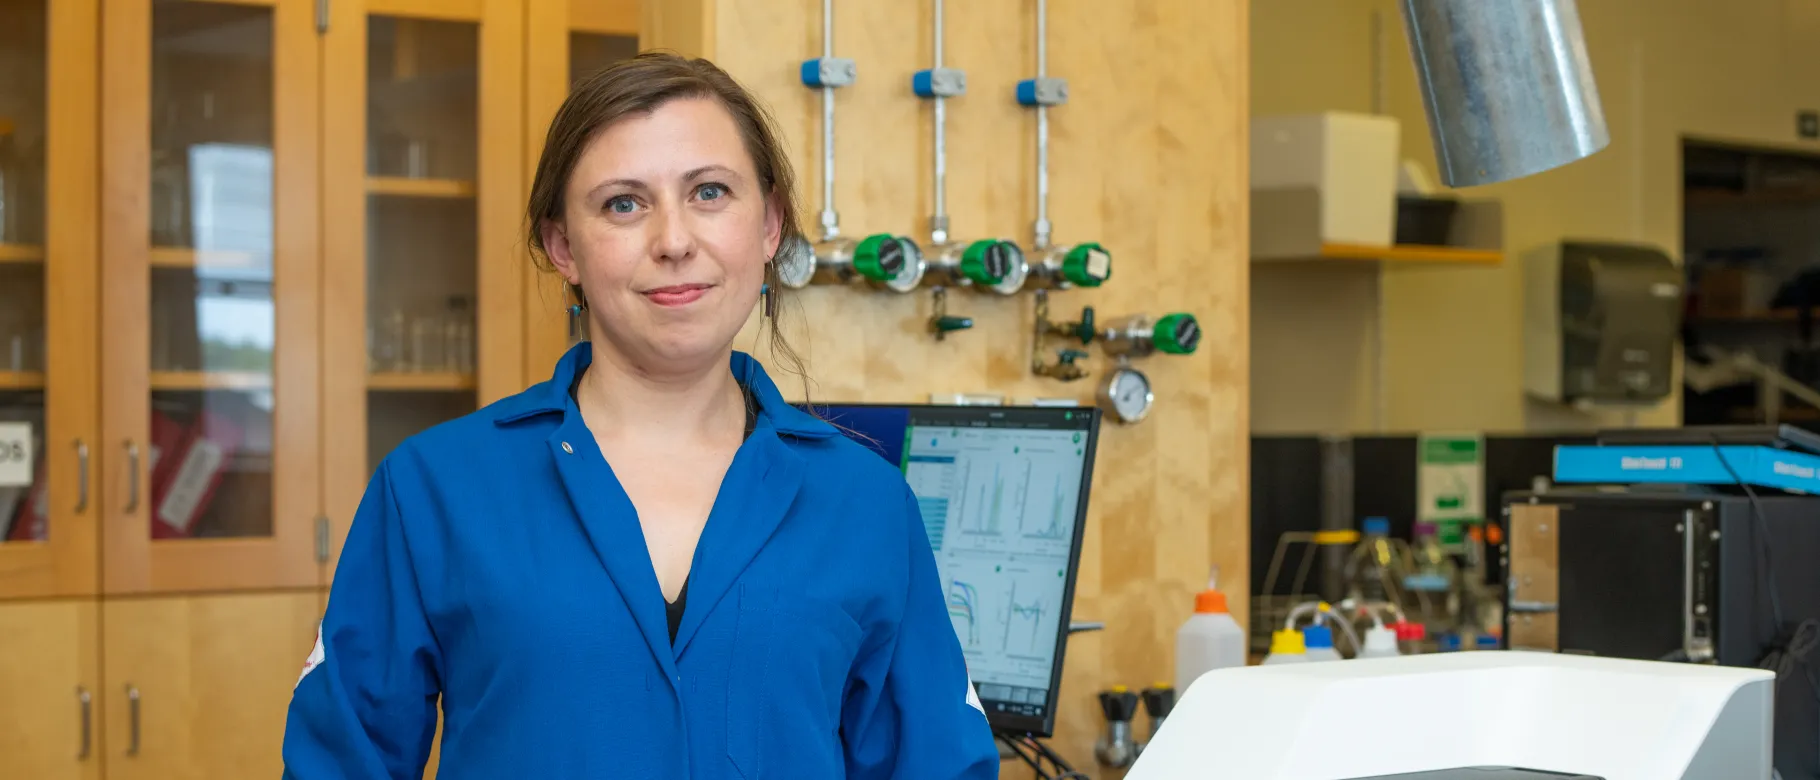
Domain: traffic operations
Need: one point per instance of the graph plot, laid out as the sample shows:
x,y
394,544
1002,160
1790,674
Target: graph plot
x,y
963,601
1053,526
993,496
1023,624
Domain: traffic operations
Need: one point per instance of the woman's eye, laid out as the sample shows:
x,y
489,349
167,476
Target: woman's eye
x,y
711,191
621,205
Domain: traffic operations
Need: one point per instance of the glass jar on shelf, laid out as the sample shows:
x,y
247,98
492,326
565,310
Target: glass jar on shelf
x,y
458,336
427,353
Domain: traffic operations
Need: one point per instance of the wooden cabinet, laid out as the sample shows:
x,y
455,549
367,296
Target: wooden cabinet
x,y
210,258
422,172
197,687
291,277
50,689
48,364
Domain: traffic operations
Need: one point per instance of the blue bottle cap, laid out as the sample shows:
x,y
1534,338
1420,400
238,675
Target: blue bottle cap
x,y
1377,525
1317,636
1486,642
1449,642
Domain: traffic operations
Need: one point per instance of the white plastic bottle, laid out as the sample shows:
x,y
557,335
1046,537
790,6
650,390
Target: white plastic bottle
x,y
1317,642
1380,642
1210,639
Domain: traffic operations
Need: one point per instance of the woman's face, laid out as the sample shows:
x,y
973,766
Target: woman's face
x,y
667,229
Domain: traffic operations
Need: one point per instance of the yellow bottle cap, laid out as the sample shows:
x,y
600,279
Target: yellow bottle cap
x,y
1287,642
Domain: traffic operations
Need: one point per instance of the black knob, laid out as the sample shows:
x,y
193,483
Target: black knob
x,y
1083,330
1159,700
1118,704
999,258
891,257
1188,333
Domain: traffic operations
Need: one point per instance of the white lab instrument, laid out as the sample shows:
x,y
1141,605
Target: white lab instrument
x,y
1611,718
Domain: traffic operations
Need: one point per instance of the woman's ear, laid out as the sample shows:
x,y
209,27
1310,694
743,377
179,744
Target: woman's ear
x,y
556,246
774,226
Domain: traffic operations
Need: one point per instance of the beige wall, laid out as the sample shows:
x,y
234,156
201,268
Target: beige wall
x,y
1159,180
1453,337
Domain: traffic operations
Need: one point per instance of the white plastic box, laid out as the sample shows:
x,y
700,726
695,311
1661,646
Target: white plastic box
x,y
1349,161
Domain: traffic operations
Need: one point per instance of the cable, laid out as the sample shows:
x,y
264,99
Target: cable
x,y
1066,772
1764,548
1037,754
1034,761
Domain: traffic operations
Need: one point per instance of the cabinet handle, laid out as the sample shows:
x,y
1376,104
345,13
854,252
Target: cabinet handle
x,y
132,715
81,477
87,722
132,476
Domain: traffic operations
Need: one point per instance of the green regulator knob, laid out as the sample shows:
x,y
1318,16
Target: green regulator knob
x,y
988,261
1177,334
1087,265
880,257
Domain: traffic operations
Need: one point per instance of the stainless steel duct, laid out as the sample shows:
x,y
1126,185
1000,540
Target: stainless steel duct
x,y
1507,86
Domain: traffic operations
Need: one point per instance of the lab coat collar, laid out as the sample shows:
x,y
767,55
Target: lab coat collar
x,y
552,397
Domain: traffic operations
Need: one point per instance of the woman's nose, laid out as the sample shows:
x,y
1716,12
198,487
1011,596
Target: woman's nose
x,y
675,238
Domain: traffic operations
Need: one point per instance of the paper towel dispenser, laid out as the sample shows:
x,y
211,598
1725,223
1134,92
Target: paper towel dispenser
x,y
1600,324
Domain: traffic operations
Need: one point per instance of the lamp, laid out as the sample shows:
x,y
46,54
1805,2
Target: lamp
x,y
1507,86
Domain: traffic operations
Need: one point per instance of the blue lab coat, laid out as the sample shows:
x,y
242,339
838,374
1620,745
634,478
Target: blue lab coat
x,y
496,562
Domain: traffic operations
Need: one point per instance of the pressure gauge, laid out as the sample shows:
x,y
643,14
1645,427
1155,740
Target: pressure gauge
x,y
1126,395
911,274
795,262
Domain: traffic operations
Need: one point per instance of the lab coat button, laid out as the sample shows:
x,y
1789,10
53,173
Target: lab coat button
x,y
568,449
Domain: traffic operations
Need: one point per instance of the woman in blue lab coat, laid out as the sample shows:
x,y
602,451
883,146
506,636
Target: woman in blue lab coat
x,y
651,565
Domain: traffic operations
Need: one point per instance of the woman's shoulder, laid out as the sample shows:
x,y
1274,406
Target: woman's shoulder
x,y
858,464
496,428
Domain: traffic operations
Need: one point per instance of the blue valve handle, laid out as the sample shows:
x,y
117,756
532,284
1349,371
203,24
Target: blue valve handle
x,y
829,72
939,82
1042,92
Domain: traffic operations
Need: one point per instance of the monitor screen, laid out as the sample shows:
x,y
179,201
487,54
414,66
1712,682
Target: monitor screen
x,y
1003,494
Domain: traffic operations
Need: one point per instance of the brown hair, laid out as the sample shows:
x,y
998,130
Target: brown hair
x,y
640,85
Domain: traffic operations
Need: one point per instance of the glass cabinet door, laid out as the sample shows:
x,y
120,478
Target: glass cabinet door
x,y
421,203
567,40
47,297
211,295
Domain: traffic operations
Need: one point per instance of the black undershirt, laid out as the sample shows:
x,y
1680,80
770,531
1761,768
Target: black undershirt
x,y
673,610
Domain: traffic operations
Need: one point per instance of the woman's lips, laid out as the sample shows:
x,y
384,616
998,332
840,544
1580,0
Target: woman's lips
x,y
677,294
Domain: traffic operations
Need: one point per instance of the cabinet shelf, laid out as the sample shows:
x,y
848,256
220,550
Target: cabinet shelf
x,y
211,380
21,380
1412,253
1746,317
186,257
402,187
1288,225
1724,197
21,253
425,381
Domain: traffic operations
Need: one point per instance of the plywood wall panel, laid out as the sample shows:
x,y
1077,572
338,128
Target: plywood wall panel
x,y
1148,158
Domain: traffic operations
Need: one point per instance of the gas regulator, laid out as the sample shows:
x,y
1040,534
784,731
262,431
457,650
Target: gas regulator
x,y
881,259
1126,393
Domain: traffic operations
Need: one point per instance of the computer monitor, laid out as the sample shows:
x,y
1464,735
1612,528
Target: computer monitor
x,y
1003,494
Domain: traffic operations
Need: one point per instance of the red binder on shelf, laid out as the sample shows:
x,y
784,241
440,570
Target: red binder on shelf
x,y
31,519
192,472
